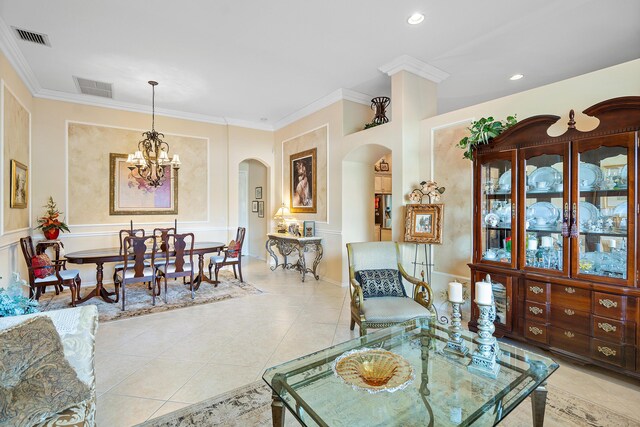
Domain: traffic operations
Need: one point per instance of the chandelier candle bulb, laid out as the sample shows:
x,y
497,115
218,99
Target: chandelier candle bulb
x,y
483,293
455,292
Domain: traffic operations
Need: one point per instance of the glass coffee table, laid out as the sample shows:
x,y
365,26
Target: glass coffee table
x,y
442,392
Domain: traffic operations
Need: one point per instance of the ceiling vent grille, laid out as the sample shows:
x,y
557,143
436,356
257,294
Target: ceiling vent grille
x,y
93,87
30,36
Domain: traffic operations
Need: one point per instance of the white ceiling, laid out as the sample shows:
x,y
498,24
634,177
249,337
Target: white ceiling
x,y
246,60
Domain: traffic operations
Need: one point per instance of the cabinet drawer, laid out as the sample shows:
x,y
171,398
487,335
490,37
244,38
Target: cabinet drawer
x,y
537,291
613,330
615,354
609,305
536,311
535,331
569,296
571,319
569,340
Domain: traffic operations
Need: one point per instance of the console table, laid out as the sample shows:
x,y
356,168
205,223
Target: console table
x,y
288,244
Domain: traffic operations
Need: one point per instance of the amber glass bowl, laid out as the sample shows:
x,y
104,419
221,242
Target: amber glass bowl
x,y
374,369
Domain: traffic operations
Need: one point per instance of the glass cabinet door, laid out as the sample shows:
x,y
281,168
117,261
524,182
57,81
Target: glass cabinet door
x,y
603,210
496,212
545,212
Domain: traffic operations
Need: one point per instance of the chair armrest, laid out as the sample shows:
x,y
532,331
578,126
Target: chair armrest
x,y
422,293
357,297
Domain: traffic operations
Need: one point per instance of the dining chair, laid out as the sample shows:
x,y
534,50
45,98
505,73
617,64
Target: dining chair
x,y
137,270
181,245
55,274
138,232
232,256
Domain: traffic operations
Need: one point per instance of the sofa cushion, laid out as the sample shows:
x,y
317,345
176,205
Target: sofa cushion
x,y
392,310
80,415
36,381
380,283
44,262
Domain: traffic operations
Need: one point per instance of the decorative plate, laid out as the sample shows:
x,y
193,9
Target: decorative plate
x,y
542,210
544,174
491,219
504,182
587,212
621,209
374,370
589,176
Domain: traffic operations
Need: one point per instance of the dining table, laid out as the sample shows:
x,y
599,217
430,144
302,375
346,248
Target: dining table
x,y
103,255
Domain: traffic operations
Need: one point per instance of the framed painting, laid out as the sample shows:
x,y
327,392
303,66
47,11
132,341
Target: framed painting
x,y
303,182
254,206
130,194
423,223
260,209
19,185
258,193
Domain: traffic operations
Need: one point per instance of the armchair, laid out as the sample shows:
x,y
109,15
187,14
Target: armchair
x,y
230,255
385,306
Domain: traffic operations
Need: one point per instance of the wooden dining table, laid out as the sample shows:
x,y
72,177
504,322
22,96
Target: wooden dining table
x,y
100,256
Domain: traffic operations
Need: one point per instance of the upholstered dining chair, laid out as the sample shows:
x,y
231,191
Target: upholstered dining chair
x,y
137,270
137,232
175,266
229,255
41,275
378,296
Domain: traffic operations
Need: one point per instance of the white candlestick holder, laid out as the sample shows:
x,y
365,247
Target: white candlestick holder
x,y
455,345
484,360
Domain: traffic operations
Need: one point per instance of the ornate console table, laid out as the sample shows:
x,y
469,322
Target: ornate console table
x,y
288,244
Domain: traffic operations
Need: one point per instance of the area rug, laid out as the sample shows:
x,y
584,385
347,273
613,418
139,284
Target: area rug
x,y
139,297
250,406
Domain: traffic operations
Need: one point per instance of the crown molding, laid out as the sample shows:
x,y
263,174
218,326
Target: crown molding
x,y
249,124
415,66
9,46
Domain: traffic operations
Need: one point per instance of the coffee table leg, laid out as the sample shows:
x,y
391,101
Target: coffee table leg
x,y
277,411
538,403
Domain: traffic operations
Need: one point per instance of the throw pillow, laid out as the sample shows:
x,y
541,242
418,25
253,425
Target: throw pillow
x,y
232,249
381,283
42,261
36,381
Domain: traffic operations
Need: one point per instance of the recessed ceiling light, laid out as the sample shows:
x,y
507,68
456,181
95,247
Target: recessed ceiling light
x,y
416,18
263,119
516,77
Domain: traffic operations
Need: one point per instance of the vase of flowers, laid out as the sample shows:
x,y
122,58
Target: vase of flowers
x,y
51,223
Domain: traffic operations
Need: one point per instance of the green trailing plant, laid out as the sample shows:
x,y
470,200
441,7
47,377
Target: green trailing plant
x,y
482,131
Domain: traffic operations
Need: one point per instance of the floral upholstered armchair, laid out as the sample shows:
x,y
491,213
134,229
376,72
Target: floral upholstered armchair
x,y
378,297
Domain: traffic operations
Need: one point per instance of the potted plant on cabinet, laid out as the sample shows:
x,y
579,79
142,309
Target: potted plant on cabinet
x,y
51,224
482,131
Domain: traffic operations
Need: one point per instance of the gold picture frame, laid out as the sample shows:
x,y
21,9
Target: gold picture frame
x,y
303,191
423,223
19,185
132,196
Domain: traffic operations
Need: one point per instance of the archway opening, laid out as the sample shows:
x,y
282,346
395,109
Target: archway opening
x,y
253,205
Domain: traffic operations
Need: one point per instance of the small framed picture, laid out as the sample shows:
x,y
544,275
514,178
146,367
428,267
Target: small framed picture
x,y
260,209
254,206
309,229
258,193
19,185
423,223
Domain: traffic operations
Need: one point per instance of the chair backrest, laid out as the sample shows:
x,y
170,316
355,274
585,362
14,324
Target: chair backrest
x,y
372,256
138,246
237,251
181,245
161,234
27,249
138,232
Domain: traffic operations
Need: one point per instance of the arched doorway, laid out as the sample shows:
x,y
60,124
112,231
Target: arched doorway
x,y
253,205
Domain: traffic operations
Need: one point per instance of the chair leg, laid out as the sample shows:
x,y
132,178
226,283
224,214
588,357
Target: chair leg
x,y
38,293
217,270
193,295
73,289
363,329
352,325
240,272
210,265
234,271
122,286
165,290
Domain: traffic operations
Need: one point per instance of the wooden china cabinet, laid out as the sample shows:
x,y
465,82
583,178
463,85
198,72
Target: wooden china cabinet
x,y
555,227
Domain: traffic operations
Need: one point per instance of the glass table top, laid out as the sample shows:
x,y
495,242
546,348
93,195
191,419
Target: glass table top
x,y
443,392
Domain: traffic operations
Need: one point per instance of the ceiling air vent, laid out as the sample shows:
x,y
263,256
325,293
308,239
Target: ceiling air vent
x,y
93,87
30,36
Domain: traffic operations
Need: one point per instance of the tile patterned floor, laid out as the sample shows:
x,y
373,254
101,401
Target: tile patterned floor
x,y
151,365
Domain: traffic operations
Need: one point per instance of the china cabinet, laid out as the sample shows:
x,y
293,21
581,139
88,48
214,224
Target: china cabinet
x,y
555,227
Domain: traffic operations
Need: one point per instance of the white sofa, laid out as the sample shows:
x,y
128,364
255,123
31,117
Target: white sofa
x,y
77,328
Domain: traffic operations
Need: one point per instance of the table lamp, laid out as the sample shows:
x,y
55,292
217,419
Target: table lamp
x,y
281,216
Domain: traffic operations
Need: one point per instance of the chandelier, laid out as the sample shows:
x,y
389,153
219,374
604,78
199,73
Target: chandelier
x,y
152,156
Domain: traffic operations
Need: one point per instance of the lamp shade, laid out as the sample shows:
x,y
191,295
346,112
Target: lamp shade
x,y
282,212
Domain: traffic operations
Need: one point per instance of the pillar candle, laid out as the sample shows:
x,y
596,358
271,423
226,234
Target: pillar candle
x,y
483,293
612,243
532,244
546,241
455,292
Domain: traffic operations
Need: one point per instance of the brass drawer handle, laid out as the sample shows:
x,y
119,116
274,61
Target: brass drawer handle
x,y
536,310
569,312
606,351
535,331
570,290
536,289
569,334
607,303
607,327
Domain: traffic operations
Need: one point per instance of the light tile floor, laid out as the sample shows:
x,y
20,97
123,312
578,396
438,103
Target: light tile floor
x,y
150,365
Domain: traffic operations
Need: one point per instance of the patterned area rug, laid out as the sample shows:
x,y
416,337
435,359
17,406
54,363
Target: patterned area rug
x,y
139,297
250,406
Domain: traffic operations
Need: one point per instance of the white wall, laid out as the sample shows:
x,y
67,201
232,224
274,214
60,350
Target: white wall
x,y
258,227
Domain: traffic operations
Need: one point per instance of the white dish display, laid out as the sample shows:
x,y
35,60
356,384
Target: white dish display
x,y
504,183
542,214
491,219
621,209
544,178
587,212
589,176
